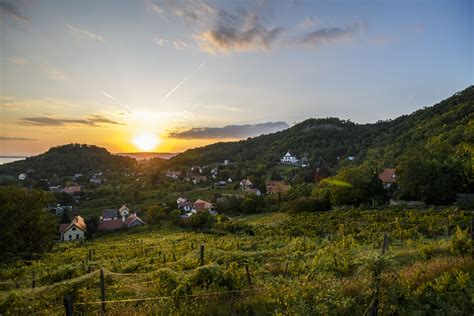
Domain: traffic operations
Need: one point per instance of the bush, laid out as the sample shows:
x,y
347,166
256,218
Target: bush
x,y
310,204
461,243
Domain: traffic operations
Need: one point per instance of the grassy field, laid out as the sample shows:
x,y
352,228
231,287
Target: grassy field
x,y
324,263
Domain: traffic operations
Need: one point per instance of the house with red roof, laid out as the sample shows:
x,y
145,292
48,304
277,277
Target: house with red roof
x,y
77,229
387,177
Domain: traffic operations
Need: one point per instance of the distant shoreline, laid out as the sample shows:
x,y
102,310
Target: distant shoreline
x,y
14,157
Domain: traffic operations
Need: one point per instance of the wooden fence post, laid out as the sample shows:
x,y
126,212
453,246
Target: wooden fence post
x,y
90,255
201,256
68,305
286,268
472,236
33,282
248,275
102,290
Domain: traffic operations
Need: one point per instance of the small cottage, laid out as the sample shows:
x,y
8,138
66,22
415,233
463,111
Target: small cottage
x,y
75,230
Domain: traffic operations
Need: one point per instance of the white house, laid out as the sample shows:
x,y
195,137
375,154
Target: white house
x,y
75,230
22,176
289,159
124,212
245,184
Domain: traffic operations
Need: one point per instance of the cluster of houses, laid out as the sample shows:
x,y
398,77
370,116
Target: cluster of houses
x,y
111,219
190,208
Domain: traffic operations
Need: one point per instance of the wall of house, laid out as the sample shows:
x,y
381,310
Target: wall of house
x,y
72,234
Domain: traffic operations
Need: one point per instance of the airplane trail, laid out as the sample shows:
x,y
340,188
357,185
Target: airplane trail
x,y
105,94
182,81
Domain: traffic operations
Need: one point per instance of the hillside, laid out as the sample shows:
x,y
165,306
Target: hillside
x,y
68,160
440,128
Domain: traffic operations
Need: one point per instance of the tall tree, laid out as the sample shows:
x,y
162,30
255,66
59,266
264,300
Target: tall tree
x,y
27,227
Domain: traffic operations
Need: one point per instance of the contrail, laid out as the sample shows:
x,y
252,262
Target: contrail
x,y
105,94
182,81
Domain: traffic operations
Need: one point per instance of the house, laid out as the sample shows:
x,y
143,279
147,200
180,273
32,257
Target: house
x,y
201,205
199,179
127,221
72,189
229,180
124,211
289,159
245,184
214,171
226,162
274,187
109,214
22,176
76,176
184,204
175,175
387,177
75,230
220,184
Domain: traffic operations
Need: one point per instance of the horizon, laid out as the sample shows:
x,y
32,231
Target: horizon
x,y
164,77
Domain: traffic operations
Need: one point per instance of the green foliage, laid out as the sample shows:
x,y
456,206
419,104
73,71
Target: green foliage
x,y
27,226
353,185
461,243
420,177
310,204
200,220
68,160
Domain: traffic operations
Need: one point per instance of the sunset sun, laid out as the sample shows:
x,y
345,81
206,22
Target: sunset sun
x,y
146,141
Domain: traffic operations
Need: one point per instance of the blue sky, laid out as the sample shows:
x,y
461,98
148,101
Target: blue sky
x,y
106,71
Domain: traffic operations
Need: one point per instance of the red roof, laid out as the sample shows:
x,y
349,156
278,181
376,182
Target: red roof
x,y
78,221
132,218
387,175
111,224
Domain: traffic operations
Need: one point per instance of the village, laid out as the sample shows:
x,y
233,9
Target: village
x,y
114,219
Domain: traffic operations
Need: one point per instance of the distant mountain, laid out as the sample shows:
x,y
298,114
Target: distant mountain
x,y
330,141
147,155
68,160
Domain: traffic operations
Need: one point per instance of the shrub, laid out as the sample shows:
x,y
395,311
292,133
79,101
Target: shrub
x,y
460,242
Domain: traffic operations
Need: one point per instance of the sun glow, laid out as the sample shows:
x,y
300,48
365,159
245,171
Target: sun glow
x,y
146,141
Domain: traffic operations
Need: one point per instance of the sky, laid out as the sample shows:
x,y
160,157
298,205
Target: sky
x,y
170,75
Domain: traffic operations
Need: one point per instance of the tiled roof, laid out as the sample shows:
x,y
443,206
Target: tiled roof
x,y
387,175
109,213
111,225
133,218
78,221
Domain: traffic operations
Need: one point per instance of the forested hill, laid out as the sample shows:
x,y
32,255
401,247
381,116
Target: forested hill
x,y
70,159
442,128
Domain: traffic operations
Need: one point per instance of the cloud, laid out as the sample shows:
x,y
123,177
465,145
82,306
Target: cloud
x,y
6,139
328,35
242,31
179,45
92,120
81,33
191,12
230,131
10,8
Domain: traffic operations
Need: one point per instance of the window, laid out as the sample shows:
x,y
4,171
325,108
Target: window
x,y
74,228
77,236
70,237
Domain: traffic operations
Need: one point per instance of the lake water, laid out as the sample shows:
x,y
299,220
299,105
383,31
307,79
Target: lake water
x,y
4,160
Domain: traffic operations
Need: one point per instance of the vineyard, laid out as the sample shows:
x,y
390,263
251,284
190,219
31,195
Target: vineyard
x,y
352,262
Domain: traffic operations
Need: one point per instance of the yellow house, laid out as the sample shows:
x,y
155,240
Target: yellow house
x,y
75,230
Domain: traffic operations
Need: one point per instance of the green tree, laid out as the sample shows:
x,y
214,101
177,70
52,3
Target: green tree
x,y
353,185
92,223
27,226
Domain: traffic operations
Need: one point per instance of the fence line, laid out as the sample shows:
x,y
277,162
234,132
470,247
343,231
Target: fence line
x,y
166,297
